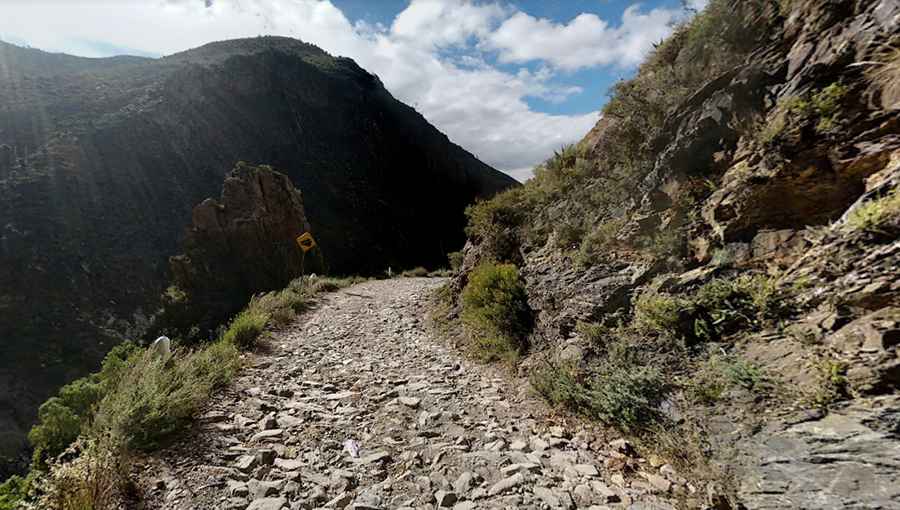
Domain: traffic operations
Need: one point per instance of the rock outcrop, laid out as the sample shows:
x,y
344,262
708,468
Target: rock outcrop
x,y
112,155
241,245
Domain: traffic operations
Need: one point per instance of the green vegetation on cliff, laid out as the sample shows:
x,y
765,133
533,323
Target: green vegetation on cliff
x,y
719,252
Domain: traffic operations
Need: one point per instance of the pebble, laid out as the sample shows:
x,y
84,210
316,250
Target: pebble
x,y
410,402
506,484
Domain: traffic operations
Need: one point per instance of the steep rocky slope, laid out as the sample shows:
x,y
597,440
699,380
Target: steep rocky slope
x,y
102,161
719,257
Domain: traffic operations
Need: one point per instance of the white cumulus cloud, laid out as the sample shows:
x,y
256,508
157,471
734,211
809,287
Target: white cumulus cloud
x,y
586,41
479,105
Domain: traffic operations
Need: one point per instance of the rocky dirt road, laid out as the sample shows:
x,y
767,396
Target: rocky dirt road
x,y
356,405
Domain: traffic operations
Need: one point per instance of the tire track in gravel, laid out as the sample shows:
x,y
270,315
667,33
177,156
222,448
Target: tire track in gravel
x,y
355,405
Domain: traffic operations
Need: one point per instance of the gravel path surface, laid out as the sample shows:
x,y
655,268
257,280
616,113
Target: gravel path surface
x,y
355,405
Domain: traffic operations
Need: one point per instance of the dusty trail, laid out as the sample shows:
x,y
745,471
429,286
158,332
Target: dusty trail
x,y
433,429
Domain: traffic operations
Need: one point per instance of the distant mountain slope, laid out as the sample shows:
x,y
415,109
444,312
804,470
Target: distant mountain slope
x,y
101,161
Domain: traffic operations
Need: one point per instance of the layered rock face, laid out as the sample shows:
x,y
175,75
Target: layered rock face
x,y
784,165
103,160
241,245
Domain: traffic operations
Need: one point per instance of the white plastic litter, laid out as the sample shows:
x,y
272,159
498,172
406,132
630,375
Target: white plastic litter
x,y
351,447
162,347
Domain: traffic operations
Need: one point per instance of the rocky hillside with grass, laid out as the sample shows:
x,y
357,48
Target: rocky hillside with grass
x,y
102,162
714,268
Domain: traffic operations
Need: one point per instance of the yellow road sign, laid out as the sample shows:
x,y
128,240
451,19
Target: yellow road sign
x,y
306,242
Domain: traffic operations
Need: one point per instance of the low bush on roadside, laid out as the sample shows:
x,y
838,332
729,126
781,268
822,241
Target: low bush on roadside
x,y
494,223
455,259
137,402
417,272
495,311
95,480
620,389
158,395
62,418
318,285
245,329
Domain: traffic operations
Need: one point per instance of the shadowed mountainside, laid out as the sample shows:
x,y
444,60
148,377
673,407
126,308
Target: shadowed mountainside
x,y
102,161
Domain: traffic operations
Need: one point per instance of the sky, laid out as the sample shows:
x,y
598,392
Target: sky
x,y
509,80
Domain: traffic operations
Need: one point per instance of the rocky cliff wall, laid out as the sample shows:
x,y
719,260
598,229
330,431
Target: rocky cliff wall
x,y
779,165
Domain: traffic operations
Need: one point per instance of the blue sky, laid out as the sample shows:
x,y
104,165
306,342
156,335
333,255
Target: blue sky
x,y
594,81
509,80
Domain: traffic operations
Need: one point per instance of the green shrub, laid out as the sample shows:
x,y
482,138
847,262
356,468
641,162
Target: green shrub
x,y
95,480
156,396
728,305
659,312
834,385
716,309
822,106
495,311
709,382
623,394
13,491
418,272
62,418
58,426
568,236
318,285
281,307
246,328
494,223
827,104
601,240
875,215
455,258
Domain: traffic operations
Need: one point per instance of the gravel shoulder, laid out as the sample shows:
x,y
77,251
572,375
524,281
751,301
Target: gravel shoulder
x,y
357,405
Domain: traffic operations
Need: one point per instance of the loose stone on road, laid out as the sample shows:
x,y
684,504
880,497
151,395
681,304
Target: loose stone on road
x,y
356,405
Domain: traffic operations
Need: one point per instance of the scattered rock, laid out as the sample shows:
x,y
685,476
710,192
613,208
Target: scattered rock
x,y
268,504
445,499
410,402
506,484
